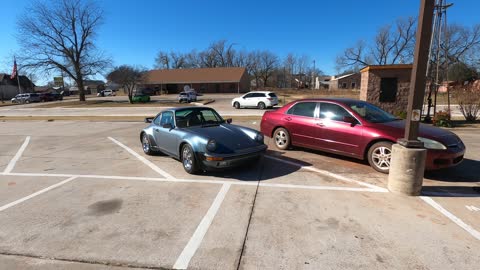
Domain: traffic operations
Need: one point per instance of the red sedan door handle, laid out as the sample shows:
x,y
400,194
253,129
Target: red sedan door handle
x,y
320,124
288,118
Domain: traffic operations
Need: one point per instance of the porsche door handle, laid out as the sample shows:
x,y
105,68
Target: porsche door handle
x,y
156,130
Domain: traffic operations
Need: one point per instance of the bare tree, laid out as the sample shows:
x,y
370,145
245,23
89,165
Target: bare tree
x,y
162,60
392,45
267,63
128,77
60,35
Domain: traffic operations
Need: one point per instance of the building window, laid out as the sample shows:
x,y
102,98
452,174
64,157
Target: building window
x,y
388,89
354,85
344,85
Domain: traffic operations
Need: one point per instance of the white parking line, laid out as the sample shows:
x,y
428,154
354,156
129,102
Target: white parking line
x,y
452,217
17,156
205,181
329,174
197,237
142,159
36,193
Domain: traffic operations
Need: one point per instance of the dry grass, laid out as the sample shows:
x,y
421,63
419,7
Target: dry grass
x,y
288,95
5,104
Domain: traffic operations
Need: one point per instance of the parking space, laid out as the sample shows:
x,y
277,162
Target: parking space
x,y
84,192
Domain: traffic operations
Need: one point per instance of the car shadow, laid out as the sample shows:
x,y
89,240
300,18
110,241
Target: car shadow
x,y
262,170
466,172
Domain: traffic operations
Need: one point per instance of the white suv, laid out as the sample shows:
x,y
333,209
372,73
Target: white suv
x,y
257,99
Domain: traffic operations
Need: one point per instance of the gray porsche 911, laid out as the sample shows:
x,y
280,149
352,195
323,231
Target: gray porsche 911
x,y
201,139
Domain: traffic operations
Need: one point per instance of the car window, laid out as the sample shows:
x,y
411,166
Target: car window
x,y
259,95
157,119
371,113
303,109
167,118
249,95
332,112
272,95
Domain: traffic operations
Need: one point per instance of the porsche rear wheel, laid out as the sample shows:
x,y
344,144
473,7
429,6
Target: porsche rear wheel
x,y
188,160
146,146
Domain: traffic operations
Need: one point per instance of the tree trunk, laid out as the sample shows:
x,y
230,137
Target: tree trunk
x,y
81,88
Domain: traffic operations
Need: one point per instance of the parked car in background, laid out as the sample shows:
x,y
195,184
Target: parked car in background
x,y
50,97
201,139
26,98
257,99
356,129
187,97
141,98
106,93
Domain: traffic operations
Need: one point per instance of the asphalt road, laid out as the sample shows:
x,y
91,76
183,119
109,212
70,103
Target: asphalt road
x,y
82,195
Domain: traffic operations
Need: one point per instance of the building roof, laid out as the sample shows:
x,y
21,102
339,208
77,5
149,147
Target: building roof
x,y
195,75
378,67
343,76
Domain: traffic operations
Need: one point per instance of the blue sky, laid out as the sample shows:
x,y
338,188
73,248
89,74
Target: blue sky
x,y
134,31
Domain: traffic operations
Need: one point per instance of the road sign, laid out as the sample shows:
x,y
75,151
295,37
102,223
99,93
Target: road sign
x,y
58,81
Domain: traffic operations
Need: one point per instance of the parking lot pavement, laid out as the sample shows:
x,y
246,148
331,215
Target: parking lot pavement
x,y
82,195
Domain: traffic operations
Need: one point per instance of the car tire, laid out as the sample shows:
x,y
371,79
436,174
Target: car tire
x,y
146,145
236,105
261,106
379,156
281,138
27,101
189,162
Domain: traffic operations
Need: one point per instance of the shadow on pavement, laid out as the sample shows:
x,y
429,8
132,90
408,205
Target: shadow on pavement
x,y
451,191
261,170
467,171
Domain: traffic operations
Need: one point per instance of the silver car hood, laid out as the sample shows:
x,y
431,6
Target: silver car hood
x,y
229,137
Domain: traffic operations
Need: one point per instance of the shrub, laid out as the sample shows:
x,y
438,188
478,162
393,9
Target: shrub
x,y
468,99
401,114
442,119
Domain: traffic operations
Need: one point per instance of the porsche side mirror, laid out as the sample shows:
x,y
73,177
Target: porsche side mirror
x,y
148,120
229,120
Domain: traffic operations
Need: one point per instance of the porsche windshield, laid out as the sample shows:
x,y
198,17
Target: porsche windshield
x,y
197,117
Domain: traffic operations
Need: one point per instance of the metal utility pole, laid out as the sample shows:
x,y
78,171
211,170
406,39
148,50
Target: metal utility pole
x,y
313,76
408,156
435,57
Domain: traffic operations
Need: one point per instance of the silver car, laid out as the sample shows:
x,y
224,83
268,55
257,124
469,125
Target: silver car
x,y
201,139
26,98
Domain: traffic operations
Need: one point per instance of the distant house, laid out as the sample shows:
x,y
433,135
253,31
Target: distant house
x,y
204,80
9,88
345,82
90,86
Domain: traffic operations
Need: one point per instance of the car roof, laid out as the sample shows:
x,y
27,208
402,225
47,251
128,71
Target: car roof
x,y
339,100
262,92
188,107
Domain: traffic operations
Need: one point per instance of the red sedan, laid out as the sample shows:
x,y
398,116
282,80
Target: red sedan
x,y
356,129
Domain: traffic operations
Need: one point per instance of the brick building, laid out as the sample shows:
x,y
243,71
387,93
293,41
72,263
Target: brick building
x,y
386,86
203,80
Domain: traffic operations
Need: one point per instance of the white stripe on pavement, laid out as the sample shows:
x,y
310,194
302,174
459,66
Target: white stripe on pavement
x,y
36,194
17,156
452,217
197,237
142,159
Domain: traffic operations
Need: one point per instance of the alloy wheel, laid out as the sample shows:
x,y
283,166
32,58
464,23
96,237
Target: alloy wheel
x,y
381,157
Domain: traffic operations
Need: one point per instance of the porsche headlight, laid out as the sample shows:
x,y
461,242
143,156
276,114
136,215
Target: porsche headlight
x,y
211,145
431,144
259,137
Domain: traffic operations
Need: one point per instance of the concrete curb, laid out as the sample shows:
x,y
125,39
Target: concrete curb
x,y
202,104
